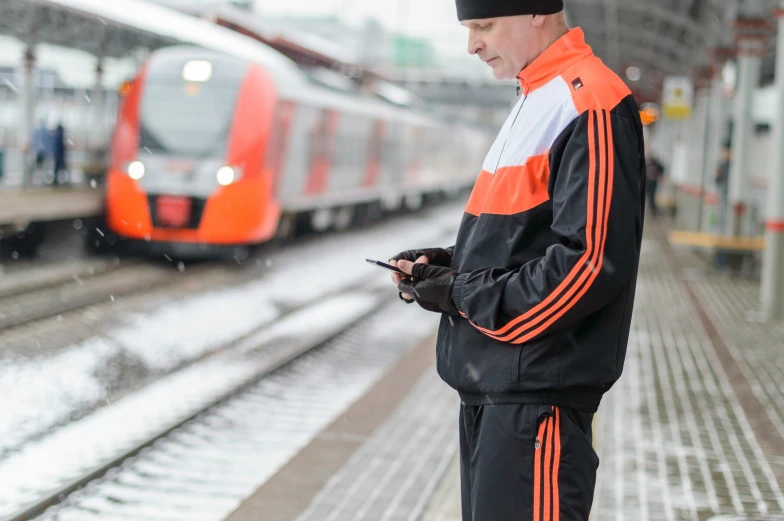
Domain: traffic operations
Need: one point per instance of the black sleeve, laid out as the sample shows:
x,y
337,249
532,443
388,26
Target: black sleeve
x,y
596,219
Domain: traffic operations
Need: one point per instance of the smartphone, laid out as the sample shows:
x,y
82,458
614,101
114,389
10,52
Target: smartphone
x,y
388,267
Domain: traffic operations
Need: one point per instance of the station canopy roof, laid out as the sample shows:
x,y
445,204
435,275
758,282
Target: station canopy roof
x,y
115,28
656,38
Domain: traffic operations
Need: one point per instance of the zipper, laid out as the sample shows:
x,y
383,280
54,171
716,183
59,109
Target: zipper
x,y
538,444
506,138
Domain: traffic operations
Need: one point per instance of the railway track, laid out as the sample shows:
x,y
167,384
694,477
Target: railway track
x,y
273,359
75,293
32,277
41,292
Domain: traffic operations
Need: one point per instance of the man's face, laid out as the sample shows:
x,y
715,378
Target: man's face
x,y
506,44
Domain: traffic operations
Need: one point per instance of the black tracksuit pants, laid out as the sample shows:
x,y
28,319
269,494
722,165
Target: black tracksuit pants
x,y
526,463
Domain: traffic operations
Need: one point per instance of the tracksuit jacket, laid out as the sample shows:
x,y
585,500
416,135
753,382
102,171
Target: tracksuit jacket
x,y
548,248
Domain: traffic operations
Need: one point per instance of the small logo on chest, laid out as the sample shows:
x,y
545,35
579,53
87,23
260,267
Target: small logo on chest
x,y
577,83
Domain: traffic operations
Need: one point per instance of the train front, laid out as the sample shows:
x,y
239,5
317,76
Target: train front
x,y
189,157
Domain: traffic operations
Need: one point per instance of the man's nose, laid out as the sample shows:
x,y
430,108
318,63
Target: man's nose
x,y
474,44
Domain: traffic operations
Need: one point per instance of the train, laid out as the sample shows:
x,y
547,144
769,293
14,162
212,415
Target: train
x,y
214,152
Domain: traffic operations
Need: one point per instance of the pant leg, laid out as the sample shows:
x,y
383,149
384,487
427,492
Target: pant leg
x,y
465,421
578,463
528,462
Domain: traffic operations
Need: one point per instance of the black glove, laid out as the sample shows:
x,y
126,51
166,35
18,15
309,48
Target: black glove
x,y
435,256
432,288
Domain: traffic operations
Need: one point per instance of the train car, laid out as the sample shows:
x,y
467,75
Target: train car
x,y
213,152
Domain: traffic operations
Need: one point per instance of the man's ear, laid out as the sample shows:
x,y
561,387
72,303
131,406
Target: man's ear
x,y
538,20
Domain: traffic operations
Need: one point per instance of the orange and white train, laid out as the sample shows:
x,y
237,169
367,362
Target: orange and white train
x,y
213,150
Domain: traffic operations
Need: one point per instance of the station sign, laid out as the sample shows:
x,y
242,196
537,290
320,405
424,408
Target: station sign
x,y
677,97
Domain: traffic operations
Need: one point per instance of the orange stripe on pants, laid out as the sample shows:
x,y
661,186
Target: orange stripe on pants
x,y
537,472
547,460
556,463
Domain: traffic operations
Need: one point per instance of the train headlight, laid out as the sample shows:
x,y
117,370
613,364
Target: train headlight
x,y
197,71
226,175
136,170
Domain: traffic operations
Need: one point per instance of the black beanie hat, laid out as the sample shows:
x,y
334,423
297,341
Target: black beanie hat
x,y
478,9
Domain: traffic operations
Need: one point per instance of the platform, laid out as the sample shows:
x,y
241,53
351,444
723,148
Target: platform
x,y
22,206
693,430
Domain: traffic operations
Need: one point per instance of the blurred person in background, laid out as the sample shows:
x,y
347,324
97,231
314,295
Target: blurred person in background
x,y
60,155
654,173
40,142
536,295
722,180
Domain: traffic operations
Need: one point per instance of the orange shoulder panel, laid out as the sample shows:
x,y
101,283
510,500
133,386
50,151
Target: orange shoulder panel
x,y
594,86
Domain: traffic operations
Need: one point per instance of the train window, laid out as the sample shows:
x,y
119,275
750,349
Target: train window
x,y
180,119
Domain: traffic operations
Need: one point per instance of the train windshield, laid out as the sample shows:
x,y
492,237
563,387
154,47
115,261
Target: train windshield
x,y
188,106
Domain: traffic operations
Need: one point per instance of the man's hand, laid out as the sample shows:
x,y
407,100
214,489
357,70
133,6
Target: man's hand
x,y
432,287
398,278
435,256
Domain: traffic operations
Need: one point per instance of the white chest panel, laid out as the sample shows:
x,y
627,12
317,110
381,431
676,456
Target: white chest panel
x,y
533,125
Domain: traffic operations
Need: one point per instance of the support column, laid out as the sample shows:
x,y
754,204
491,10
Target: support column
x,y
749,63
717,132
773,260
98,99
688,210
27,115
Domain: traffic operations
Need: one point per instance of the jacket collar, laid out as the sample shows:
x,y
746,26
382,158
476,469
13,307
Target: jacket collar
x,y
565,52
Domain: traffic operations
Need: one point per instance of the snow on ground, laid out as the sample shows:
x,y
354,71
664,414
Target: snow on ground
x,y
203,471
41,393
50,463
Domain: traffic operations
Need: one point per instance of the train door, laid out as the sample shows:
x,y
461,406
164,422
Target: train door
x,y
278,152
320,151
294,176
373,169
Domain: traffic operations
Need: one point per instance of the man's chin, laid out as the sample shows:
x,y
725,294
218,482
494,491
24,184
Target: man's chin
x,y
501,74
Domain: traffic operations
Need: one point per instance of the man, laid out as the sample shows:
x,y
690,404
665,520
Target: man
x,y
60,152
40,145
536,295
655,173
722,180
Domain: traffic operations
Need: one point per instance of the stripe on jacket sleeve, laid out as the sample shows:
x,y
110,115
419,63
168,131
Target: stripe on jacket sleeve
x,y
605,198
567,287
